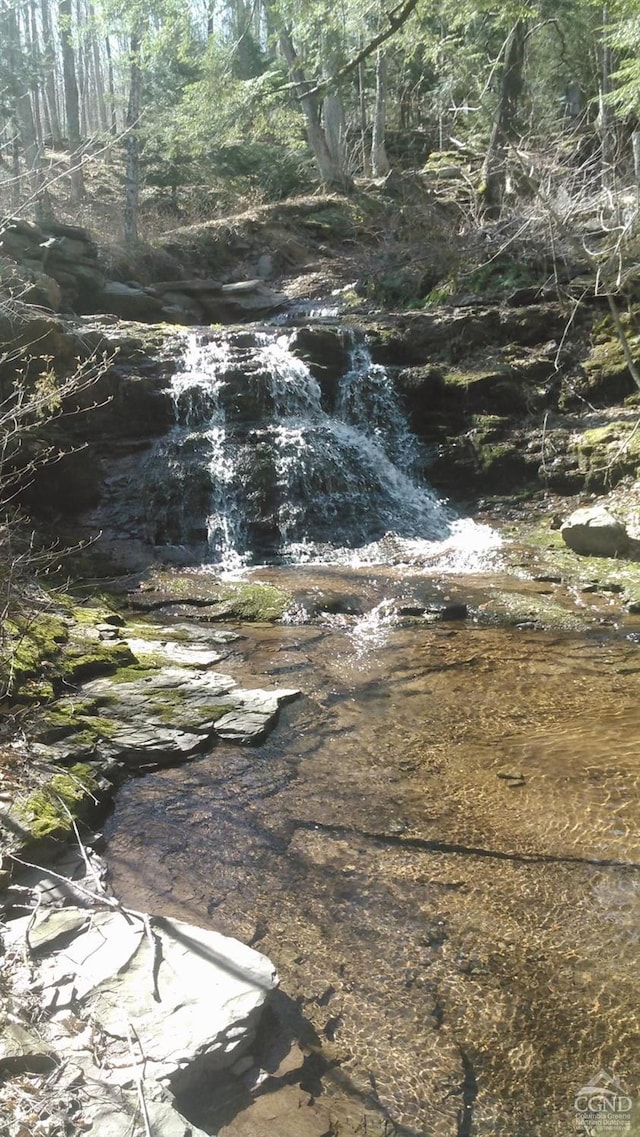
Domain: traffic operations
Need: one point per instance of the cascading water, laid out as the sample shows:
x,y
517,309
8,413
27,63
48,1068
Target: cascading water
x,y
265,463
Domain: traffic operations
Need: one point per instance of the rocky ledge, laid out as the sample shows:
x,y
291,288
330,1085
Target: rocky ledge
x,y
132,1010
139,696
109,1016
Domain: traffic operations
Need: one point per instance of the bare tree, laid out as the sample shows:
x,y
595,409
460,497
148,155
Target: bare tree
x,y
132,142
71,99
18,84
606,117
49,75
379,160
331,173
504,129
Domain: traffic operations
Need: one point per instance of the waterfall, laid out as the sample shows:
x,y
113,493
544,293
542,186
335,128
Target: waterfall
x,y
263,464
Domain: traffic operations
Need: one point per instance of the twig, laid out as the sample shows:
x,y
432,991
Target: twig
x,y
543,444
139,1077
156,955
104,898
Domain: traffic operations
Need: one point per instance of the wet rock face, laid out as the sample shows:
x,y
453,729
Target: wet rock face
x,y
593,532
415,338
111,384
326,352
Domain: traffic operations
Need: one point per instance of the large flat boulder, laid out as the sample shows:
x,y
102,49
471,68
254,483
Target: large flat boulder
x,y
185,999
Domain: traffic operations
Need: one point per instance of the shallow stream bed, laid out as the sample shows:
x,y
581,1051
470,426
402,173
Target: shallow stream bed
x,y
439,847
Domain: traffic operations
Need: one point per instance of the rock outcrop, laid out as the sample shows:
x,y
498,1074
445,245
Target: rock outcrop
x,y
59,267
61,261
165,708
189,997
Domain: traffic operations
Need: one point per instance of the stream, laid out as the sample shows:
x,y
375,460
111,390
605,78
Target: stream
x,y
439,845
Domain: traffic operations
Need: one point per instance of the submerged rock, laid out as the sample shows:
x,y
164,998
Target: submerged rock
x,y
593,532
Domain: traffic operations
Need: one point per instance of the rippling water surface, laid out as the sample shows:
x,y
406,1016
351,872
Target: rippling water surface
x,y
439,846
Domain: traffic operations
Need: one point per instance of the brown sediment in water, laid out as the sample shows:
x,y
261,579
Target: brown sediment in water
x,y
439,848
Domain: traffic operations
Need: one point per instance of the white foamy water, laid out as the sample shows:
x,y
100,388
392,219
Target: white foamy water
x,y
267,464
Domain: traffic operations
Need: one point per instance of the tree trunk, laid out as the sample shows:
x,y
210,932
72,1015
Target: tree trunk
x,y
606,117
332,174
333,120
243,54
23,111
49,64
504,128
362,102
71,102
15,163
379,160
101,102
81,72
334,128
132,145
36,59
112,91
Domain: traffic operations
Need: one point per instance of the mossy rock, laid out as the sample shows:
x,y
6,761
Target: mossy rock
x,y
80,718
212,599
607,376
51,810
262,603
487,391
608,453
29,644
516,609
542,551
96,659
501,464
43,651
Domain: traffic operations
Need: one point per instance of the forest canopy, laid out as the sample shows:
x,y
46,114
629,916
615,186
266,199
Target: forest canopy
x,y
206,105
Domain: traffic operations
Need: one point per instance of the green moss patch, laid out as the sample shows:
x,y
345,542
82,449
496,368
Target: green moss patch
x,y
515,608
607,375
542,551
43,650
487,391
82,720
608,453
51,810
97,659
28,645
213,599
173,713
259,602
134,673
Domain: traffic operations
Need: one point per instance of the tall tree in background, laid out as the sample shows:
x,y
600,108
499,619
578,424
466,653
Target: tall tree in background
x,y
330,165
17,83
71,100
132,140
49,75
208,93
379,161
505,122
